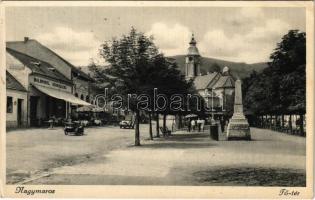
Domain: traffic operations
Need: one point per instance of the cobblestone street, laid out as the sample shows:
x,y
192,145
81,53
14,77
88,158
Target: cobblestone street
x,y
106,155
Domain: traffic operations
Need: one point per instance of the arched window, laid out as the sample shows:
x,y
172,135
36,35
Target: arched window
x,y
76,95
87,98
91,100
82,97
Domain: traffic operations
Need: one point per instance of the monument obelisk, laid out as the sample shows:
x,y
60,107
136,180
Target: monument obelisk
x,y
238,127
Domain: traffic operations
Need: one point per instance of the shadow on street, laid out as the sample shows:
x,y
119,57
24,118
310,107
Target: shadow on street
x,y
181,140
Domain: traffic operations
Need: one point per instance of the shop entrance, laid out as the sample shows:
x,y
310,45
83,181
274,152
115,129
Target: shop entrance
x,y
33,110
55,107
19,112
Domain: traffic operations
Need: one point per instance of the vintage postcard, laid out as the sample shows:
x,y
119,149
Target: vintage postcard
x,y
169,99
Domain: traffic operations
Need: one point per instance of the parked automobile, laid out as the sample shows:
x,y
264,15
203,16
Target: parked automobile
x,y
126,124
74,127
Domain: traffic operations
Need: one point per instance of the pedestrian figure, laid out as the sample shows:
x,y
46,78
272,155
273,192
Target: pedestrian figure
x,y
189,125
196,125
173,125
222,122
193,124
202,126
52,121
199,124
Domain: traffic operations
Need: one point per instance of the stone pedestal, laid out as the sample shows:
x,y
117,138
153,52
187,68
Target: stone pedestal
x,y
238,127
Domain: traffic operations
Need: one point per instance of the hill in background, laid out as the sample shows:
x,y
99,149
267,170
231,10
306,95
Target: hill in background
x,y
237,69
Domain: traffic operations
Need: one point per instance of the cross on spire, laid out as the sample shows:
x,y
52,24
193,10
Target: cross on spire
x,y
193,41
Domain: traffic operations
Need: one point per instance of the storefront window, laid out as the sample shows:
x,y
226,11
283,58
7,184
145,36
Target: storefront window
x,y
9,104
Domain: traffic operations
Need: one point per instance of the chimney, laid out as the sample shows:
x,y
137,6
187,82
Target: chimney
x,y
26,39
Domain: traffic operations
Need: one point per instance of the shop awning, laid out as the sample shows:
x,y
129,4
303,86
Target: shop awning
x,y
58,94
91,108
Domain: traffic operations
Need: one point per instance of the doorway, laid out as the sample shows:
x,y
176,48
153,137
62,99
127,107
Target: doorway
x,y
19,113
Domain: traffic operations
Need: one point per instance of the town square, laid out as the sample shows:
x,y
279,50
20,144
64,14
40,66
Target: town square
x,y
152,96
107,156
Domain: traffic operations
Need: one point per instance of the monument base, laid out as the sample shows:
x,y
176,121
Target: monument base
x,y
238,128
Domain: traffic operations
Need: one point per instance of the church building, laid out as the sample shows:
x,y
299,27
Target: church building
x,y
214,87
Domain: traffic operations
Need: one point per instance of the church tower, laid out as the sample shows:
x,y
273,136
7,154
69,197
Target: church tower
x,y
192,64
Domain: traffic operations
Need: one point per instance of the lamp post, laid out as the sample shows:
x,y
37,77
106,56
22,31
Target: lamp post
x,y
207,96
212,109
223,100
222,103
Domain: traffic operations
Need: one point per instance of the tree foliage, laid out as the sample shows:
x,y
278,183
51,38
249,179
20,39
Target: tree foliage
x,y
215,67
280,88
136,67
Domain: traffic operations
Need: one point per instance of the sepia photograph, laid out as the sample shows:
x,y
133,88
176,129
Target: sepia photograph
x,y
158,94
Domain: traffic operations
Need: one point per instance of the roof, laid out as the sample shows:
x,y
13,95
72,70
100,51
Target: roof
x,y
38,67
59,94
202,82
35,49
13,84
192,49
224,81
193,41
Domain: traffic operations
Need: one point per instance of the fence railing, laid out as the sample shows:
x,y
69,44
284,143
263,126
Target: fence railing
x,y
290,124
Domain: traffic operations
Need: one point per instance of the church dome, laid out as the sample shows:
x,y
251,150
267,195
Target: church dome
x,y
192,49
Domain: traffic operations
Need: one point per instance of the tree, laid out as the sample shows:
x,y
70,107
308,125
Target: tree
x,y
215,67
130,59
168,80
135,68
150,126
280,88
289,60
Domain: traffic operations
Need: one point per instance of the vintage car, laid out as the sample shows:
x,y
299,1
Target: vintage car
x,y
126,124
74,127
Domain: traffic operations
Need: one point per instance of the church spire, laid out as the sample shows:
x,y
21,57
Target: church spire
x,y
193,41
193,50
192,59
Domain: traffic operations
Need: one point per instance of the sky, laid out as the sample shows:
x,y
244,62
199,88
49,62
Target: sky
x,y
240,34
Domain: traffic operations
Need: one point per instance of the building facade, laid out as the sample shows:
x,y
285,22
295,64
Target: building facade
x,y
48,92
81,81
214,87
16,108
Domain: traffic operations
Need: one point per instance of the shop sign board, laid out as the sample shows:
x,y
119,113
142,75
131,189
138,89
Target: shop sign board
x,y
39,80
